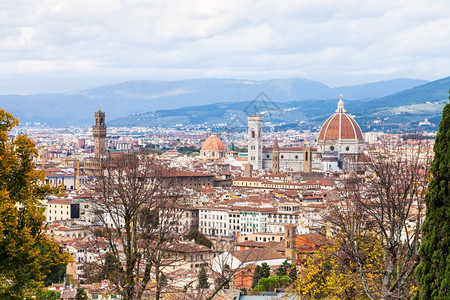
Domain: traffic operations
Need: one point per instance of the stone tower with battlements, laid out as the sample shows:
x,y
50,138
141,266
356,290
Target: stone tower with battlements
x,y
99,133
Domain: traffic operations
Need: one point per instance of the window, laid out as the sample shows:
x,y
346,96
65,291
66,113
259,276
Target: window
x,y
253,134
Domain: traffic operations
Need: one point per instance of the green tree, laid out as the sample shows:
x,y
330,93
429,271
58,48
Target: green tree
x,y
110,264
265,270
163,280
261,271
287,268
433,272
256,276
203,279
272,283
198,237
57,272
48,295
81,294
26,255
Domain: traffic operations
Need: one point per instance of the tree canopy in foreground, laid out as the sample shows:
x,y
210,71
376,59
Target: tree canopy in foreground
x,y
433,272
375,224
26,254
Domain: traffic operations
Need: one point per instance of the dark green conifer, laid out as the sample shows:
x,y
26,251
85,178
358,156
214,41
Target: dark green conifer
x,y
81,294
433,271
256,275
203,279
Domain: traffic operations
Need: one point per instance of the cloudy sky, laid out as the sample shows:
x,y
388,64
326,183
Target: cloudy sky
x,y
59,45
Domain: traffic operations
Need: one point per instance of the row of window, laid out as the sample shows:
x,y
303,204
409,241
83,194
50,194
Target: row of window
x,y
282,216
282,156
213,224
213,217
50,211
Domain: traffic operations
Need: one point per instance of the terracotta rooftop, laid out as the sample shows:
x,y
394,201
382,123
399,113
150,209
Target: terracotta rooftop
x,y
59,201
213,143
259,254
340,126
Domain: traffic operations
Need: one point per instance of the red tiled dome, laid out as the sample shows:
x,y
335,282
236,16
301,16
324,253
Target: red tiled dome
x,y
340,126
213,143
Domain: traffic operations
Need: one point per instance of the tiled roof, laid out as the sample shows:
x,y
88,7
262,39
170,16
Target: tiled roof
x,y
213,143
258,254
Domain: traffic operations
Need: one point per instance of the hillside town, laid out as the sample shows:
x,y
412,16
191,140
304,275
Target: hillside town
x,y
237,200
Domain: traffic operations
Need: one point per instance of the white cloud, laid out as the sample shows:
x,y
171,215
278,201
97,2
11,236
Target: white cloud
x,y
336,42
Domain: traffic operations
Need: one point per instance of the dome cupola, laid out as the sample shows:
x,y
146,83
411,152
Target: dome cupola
x,y
340,126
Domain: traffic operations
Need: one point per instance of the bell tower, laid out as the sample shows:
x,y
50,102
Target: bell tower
x,y
99,133
290,242
255,126
307,160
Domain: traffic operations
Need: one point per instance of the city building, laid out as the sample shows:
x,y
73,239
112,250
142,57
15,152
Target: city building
x,y
340,142
212,148
99,132
340,147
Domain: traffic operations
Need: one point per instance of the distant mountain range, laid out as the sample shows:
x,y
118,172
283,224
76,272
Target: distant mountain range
x,y
195,101
401,111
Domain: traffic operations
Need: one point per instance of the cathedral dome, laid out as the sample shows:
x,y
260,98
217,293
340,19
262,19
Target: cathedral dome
x,y
340,126
213,143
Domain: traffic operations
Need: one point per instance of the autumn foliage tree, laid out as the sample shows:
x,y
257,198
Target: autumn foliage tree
x,y
329,274
382,210
26,254
376,228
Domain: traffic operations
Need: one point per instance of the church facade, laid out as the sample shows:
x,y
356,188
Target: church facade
x,y
340,147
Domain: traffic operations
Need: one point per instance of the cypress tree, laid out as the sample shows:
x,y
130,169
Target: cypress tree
x,y
433,271
256,275
203,279
265,270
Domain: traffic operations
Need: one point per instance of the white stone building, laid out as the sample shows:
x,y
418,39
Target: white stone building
x,y
213,221
340,147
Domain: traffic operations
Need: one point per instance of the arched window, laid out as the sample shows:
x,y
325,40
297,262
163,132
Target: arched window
x,y
306,156
253,134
